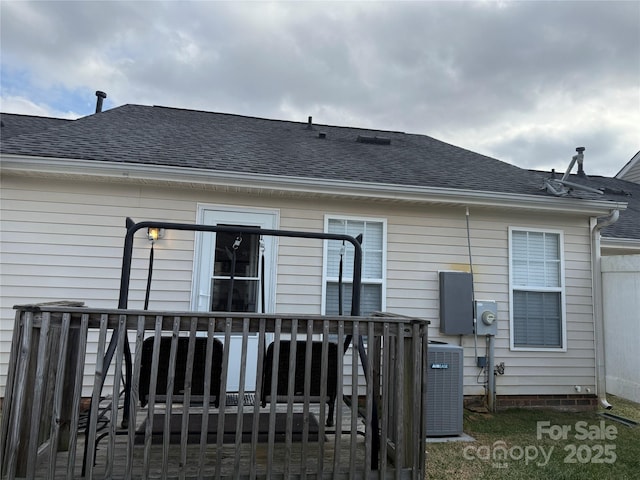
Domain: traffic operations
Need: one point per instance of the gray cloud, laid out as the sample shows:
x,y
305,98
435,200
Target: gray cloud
x,y
521,81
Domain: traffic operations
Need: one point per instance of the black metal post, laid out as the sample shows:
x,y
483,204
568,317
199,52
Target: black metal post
x,y
133,227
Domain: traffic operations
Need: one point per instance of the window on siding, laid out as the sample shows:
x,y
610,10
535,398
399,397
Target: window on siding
x,y
373,255
537,289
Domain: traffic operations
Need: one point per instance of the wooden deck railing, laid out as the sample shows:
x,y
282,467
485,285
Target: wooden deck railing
x,y
183,423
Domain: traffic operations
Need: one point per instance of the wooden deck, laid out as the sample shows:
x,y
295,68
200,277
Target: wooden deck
x,y
282,434
314,458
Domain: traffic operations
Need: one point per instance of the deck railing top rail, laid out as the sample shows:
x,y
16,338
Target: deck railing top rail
x,y
114,318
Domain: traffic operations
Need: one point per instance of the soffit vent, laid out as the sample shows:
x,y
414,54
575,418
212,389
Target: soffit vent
x,y
374,140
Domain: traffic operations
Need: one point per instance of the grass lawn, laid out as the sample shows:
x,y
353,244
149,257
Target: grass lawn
x,y
521,444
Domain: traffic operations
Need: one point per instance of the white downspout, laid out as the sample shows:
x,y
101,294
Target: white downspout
x,y
597,224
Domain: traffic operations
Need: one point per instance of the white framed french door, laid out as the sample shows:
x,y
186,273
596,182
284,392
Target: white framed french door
x,y
215,255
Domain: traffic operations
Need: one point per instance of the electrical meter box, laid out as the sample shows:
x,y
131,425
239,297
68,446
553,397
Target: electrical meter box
x,y
486,317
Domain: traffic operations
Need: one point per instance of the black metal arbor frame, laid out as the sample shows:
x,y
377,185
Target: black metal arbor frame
x,y
133,227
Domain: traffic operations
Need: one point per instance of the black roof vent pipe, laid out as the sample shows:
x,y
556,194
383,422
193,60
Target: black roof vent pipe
x,y
101,96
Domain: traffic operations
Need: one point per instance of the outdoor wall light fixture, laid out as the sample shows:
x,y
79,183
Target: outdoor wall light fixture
x,y
155,233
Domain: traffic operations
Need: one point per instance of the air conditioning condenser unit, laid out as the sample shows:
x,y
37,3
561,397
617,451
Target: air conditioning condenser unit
x,y
444,389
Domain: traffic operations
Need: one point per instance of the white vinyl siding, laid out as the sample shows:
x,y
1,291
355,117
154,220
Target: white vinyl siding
x,y
631,170
537,289
62,239
373,262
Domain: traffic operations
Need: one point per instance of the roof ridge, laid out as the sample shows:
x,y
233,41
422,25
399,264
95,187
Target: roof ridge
x,y
253,117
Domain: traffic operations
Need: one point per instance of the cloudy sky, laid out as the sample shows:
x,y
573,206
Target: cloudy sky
x,y
525,82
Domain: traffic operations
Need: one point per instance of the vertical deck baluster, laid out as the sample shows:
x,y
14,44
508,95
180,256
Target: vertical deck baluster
x,y
206,398
186,402
354,395
240,410
222,402
274,393
99,374
416,383
373,389
19,415
323,391
424,341
57,394
340,395
324,380
307,393
171,379
77,393
258,396
151,404
36,406
391,413
8,408
115,397
386,390
399,457
135,395
293,345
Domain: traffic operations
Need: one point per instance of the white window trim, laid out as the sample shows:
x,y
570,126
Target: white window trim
x,y
325,255
561,289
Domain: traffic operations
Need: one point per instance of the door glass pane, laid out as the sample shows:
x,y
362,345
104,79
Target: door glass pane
x,y
244,297
246,255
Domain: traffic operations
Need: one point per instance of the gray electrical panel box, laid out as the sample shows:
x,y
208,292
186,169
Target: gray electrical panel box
x,y
486,317
456,303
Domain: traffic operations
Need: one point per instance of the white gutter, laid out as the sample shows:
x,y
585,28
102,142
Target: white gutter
x,y
276,183
597,224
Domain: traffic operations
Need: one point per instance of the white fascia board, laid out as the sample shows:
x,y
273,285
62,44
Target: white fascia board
x,y
261,182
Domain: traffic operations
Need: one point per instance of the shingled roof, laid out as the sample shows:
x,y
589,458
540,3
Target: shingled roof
x,y
233,143
223,142
14,124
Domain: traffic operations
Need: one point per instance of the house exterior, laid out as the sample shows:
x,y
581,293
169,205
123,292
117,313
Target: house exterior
x,y
423,207
631,171
620,280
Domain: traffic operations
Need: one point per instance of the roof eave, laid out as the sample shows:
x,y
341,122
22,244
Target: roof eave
x,y
260,182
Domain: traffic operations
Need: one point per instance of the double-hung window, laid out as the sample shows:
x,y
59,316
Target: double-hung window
x,y
373,233
537,289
